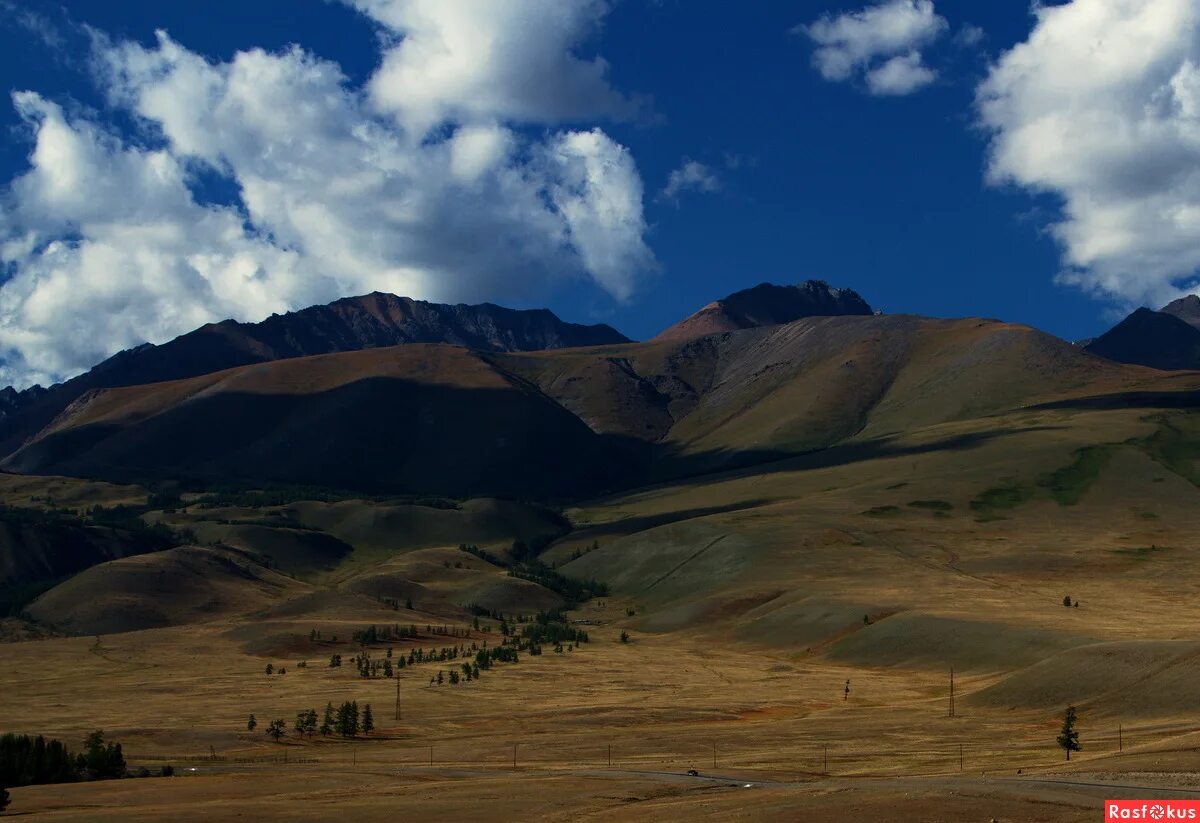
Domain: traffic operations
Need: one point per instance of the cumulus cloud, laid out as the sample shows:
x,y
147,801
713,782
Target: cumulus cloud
x,y
899,76
106,242
880,44
1100,106
691,176
479,60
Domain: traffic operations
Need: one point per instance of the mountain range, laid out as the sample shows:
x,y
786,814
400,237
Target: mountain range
x,y
389,395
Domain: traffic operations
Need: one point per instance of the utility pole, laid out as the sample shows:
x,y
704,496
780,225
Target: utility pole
x,y
825,770
951,692
397,697
431,755
514,755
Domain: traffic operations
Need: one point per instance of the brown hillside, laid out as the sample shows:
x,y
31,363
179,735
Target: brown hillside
x,y
428,419
183,585
431,419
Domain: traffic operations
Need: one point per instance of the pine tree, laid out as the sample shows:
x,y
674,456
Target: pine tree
x,y
251,724
624,637
368,719
276,729
301,723
327,723
270,669
1068,738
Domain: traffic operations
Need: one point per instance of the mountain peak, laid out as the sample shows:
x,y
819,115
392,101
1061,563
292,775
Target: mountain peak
x,y
768,304
1186,309
1159,339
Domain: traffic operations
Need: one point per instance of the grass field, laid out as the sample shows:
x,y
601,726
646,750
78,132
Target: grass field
x,y
752,598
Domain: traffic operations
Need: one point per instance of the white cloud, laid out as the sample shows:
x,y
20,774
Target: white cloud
x,y
1100,106
899,76
881,43
691,176
108,239
482,60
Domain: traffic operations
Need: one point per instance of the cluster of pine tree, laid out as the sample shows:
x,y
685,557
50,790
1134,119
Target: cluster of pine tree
x,y
384,634
346,721
26,760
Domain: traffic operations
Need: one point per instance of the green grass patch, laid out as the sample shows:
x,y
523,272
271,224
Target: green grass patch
x,y
1175,445
1141,552
932,505
1000,498
1068,484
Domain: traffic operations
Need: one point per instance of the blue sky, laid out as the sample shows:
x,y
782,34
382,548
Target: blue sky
x,y
796,171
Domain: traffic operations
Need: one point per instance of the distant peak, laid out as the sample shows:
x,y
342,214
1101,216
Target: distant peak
x,y
768,304
1186,309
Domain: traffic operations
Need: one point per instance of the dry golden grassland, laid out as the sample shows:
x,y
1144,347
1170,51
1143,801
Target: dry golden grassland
x,y
751,599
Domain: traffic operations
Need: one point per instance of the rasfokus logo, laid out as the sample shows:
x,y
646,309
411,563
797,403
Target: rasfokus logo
x,y
1151,810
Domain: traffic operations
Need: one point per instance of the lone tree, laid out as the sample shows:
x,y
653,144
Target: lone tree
x,y
1068,738
276,729
251,724
1067,601
327,723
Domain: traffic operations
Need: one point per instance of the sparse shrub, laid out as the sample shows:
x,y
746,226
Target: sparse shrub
x,y
624,637
251,724
1067,601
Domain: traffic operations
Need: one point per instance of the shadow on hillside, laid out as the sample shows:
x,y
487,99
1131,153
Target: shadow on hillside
x,y
1129,400
396,436
841,454
630,525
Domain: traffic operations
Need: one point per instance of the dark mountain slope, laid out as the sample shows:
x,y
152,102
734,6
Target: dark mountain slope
x,y
1150,338
427,419
354,323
